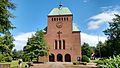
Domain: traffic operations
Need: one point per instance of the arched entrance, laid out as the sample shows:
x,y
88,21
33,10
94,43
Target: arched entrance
x,y
59,58
67,58
51,58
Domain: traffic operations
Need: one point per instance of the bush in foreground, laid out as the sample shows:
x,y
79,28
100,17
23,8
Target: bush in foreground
x,y
110,63
85,58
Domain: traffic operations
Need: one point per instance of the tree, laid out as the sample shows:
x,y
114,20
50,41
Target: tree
x,y
86,50
36,46
6,39
5,15
6,44
17,54
113,33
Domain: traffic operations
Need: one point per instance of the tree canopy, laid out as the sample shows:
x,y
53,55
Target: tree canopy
x,y
113,33
6,39
5,15
36,46
86,50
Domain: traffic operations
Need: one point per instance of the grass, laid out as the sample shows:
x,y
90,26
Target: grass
x,y
14,63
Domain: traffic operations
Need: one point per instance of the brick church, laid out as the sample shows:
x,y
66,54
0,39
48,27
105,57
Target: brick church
x,y
62,37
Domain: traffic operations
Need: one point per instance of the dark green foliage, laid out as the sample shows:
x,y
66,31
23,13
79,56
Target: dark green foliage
x,y
36,46
25,58
1,56
112,45
17,54
100,50
8,59
6,39
86,50
113,33
5,15
85,58
6,46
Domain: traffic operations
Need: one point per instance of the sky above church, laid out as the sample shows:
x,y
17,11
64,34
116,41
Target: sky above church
x,y
91,17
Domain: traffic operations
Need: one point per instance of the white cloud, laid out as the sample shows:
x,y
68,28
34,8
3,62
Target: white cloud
x,y
21,39
92,40
102,18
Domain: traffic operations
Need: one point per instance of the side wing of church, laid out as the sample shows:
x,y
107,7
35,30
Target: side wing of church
x,y
63,40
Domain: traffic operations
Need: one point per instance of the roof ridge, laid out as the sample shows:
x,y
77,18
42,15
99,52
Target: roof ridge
x,y
62,11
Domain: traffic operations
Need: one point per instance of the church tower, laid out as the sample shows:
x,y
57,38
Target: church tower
x,y
63,40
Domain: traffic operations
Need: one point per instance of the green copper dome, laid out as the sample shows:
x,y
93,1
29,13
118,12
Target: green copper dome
x,y
60,11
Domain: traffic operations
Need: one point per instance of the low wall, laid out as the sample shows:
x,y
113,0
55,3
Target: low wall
x,y
4,65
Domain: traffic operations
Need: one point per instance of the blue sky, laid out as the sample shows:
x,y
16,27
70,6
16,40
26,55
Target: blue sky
x,y
90,16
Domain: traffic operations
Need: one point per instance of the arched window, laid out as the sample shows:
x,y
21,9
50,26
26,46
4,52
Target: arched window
x,y
55,44
57,19
54,19
63,44
67,18
62,19
59,44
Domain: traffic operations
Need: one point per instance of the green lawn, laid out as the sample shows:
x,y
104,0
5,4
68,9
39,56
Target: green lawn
x,y
14,63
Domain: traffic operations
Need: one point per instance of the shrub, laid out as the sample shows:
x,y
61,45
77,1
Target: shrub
x,y
8,59
110,63
113,62
25,58
1,56
85,58
78,63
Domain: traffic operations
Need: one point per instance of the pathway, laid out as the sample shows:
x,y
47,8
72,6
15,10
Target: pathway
x,y
57,65
49,65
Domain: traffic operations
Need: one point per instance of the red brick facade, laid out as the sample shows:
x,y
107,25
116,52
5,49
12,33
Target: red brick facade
x,y
64,44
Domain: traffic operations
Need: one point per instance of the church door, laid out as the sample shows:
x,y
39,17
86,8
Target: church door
x,y
51,58
67,58
59,58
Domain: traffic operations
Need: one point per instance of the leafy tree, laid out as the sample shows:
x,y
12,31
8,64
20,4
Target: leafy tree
x,y
6,39
102,50
6,44
86,50
113,33
5,15
36,46
17,54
